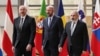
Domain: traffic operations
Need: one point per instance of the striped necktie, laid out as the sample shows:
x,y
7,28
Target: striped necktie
x,y
49,21
72,28
21,23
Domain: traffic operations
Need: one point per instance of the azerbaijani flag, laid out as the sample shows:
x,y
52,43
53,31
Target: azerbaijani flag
x,y
38,38
95,42
61,14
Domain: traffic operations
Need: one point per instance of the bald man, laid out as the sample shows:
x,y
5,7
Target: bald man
x,y
77,36
23,33
52,30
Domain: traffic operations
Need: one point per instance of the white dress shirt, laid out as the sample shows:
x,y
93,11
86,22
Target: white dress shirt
x,y
73,26
22,19
50,20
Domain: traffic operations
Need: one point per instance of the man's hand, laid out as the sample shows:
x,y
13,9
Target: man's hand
x,y
42,48
83,52
13,48
29,47
59,49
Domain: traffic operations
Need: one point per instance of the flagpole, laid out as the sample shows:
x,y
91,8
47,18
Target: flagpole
x,y
56,6
84,6
48,2
93,6
21,2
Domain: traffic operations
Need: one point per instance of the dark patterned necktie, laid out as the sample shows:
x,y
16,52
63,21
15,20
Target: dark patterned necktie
x,y
21,23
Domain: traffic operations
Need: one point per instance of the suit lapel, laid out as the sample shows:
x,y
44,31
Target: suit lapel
x,y
18,23
25,21
53,21
69,28
46,23
76,28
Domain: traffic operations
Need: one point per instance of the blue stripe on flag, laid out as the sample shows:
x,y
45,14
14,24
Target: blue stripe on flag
x,y
81,13
1,53
60,9
97,34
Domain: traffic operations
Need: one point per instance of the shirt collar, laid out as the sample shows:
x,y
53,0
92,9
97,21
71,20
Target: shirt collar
x,y
51,17
23,17
75,21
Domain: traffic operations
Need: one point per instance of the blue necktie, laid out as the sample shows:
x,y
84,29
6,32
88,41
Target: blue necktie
x,y
49,21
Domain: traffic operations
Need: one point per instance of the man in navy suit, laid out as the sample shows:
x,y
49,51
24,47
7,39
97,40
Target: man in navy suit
x,y
52,30
23,33
77,36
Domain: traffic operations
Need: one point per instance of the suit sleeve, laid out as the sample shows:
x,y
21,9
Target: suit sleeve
x,y
85,37
33,31
43,33
14,34
63,38
60,26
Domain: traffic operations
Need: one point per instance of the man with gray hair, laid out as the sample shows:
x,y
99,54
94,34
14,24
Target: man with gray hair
x,y
23,33
77,36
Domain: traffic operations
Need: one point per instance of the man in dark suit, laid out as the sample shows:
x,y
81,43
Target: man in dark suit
x,y
77,36
52,30
23,33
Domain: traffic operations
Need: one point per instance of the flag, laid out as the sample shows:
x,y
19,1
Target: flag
x,y
81,10
61,14
26,4
95,42
38,38
81,17
1,53
8,30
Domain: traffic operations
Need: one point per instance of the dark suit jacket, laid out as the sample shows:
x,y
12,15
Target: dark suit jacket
x,y
78,39
25,35
52,33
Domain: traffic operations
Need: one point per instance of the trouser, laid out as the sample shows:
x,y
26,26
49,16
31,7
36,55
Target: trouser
x,y
49,51
74,51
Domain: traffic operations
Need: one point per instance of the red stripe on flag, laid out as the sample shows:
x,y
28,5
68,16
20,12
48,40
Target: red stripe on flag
x,y
9,10
33,51
7,45
64,50
38,43
95,45
96,17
